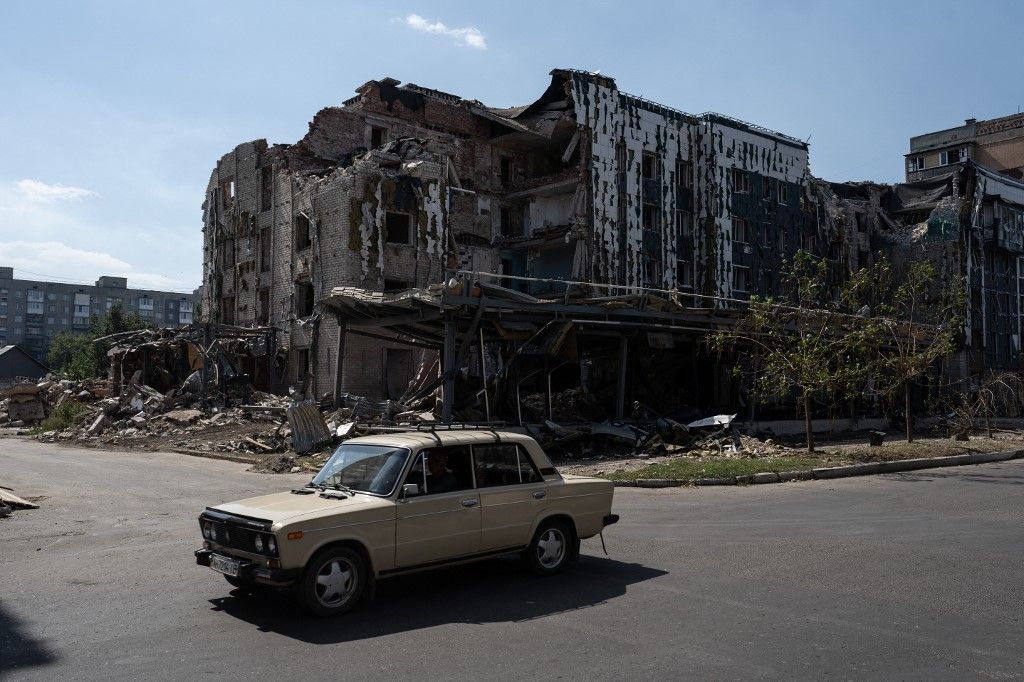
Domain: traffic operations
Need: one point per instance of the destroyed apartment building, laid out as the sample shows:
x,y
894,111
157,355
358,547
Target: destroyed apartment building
x,y
584,244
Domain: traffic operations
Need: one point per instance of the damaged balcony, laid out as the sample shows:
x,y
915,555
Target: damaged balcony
x,y
496,346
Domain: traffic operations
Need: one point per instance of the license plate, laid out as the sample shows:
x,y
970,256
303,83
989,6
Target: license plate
x,y
224,565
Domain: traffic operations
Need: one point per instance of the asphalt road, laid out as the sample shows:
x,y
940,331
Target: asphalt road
x,y
914,576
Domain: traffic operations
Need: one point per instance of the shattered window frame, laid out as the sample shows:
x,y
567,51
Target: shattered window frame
x,y
305,298
409,228
684,273
740,181
684,223
302,231
740,230
737,284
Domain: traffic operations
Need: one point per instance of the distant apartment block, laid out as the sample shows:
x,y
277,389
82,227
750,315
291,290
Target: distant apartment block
x,y
33,312
997,144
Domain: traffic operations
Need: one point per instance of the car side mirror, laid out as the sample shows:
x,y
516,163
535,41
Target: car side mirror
x,y
410,490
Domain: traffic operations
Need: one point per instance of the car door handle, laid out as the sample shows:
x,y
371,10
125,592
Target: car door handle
x,y
469,503
539,495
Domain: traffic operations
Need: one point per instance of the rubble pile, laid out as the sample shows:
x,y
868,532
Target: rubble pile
x,y
715,436
279,428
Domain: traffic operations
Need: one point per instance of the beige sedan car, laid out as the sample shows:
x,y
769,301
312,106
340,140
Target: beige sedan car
x,y
396,503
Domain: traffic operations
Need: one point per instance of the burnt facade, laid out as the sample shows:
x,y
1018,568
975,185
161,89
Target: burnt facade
x,y
403,185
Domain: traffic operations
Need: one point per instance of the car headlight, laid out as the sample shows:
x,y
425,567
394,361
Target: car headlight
x,y
259,543
206,531
272,545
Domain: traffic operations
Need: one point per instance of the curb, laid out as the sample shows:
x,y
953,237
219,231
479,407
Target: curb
x,y
826,473
213,455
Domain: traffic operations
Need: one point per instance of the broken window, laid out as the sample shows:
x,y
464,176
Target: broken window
x,y
684,175
227,310
780,240
227,191
782,192
766,188
301,365
740,181
651,274
265,306
265,246
397,228
395,285
684,223
649,166
505,227
808,243
228,253
303,299
740,278
739,231
378,136
952,156
302,240
266,187
766,234
652,217
506,171
684,274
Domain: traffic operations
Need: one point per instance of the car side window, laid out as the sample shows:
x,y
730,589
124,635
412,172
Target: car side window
x,y
503,465
441,470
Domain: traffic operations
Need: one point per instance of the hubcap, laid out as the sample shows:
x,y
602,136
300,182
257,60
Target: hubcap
x,y
550,548
335,582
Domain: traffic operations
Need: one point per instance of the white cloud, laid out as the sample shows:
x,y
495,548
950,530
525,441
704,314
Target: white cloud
x,y
54,260
41,192
468,36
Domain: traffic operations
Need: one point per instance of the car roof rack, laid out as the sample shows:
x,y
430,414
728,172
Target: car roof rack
x,y
433,428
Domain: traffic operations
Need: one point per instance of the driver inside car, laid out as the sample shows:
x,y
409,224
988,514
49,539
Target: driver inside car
x,y
439,479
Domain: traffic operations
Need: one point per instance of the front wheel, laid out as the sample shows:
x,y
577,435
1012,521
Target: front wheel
x,y
333,582
551,548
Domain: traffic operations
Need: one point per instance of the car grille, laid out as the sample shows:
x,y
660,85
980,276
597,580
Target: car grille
x,y
233,536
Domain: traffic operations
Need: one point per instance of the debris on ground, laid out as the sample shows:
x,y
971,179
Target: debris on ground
x,y
9,502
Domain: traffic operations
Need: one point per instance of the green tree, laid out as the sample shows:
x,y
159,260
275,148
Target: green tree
x,y
79,356
919,322
72,355
805,344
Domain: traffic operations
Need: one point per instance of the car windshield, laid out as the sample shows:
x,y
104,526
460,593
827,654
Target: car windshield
x,y
363,468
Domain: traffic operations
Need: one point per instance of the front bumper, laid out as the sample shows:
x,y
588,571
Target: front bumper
x,y
250,570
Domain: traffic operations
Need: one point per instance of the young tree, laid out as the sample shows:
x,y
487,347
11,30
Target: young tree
x,y
918,324
805,344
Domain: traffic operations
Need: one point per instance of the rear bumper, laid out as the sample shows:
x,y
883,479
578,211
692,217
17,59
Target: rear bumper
x,y
249,570
610,519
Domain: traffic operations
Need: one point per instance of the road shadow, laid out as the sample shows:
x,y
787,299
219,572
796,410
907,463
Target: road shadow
x,y
18,649
499,590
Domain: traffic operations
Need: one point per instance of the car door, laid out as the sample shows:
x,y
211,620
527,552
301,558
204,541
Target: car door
x,y
512,493
441,521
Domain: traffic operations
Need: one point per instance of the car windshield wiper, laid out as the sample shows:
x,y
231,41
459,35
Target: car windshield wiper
x,y
343,488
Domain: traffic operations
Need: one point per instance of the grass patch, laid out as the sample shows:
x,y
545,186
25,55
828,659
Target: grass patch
x,y
688,469
65,415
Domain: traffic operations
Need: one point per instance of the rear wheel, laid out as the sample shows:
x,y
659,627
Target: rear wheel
x,y
551,548
333,582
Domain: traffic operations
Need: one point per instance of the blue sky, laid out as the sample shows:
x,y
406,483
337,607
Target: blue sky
x,y
112,114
